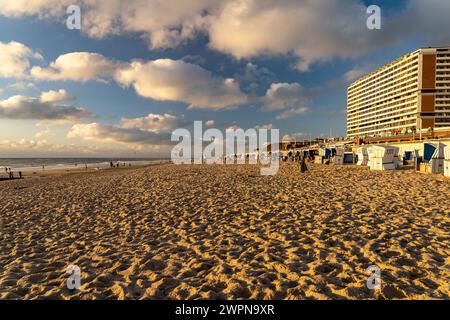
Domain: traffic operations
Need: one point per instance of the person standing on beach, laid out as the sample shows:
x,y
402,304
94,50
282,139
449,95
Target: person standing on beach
x,y
303,166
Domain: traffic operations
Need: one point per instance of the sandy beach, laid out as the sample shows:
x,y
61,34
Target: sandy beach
x,y
226,232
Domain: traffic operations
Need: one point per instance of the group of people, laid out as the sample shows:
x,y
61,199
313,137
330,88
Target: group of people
x,y
292,157
297,157
117,165
10,173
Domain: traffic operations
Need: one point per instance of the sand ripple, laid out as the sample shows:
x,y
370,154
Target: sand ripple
x,y
225,232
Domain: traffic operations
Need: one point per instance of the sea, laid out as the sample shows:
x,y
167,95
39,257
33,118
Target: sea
x,y
33,164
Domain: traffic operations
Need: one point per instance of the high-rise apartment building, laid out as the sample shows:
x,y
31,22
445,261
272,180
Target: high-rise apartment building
x,y
408,94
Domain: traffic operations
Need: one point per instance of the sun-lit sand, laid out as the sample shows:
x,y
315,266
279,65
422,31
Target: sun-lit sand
x,y
226,232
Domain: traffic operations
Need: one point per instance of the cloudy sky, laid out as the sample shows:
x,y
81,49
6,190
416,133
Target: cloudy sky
x,y
139,69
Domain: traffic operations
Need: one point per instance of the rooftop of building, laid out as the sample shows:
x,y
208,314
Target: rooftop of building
x,y
392,63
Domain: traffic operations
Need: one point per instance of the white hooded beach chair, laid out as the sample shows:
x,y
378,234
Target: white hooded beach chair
x,y
363,156
437,160
338,157
383,157
433,157
447,161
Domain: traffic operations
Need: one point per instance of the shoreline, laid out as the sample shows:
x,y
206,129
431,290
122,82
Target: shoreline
x,y
40,173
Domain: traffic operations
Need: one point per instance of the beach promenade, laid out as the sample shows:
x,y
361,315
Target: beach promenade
x,y
226,232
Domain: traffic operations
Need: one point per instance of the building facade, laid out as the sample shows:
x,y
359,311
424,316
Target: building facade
x,y
409,94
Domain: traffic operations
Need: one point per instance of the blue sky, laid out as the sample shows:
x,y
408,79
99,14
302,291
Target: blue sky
x,y
307,98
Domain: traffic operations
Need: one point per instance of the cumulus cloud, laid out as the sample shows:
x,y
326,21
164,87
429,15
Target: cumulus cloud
x,y
424,19
40,148
248,28
164,23
281,96
109,133
154,123
176,80
264,126
292,112
42,8
255,77
163,79
28,108
153,129
43,148
15,59
296,136
77,66
354,74
55,96
43,133
21,85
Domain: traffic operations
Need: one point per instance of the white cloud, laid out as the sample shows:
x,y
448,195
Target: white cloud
x,y
255,77
15,59
354,74
163,79
248,28
153,129
176,80
55,96
281,96
210,123
319,30
164,23
39,148
154,123
43,133
296,136
314,31
264,126
291,113
77,66
28,108
21,85
43,8
44,148
108,133
427,20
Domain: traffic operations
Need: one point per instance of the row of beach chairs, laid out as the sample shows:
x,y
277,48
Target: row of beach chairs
x,y
433,158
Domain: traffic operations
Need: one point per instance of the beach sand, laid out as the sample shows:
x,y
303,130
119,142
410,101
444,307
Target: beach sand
x,y
226,232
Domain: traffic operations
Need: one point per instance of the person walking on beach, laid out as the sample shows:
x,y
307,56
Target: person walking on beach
x,y
303,166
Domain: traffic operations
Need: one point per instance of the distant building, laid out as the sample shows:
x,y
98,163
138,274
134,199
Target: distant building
x,y
403,96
